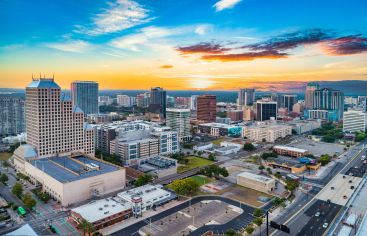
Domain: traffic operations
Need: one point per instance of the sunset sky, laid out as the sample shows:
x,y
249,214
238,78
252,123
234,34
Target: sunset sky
x,y
183,44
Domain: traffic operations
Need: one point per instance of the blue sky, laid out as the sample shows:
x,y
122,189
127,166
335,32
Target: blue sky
x,y
77,37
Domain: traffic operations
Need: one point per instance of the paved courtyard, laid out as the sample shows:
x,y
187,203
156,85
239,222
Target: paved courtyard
x,y
206,212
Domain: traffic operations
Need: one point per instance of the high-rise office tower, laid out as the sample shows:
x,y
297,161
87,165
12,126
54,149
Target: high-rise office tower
x,y
54,126
330,100
142,100
206,108
246,97
265,110
179,121
193,102
11,116
310,89
287,101
158,101
84,95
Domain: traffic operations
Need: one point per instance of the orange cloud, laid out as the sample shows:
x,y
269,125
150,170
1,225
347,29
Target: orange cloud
x,y
166,66
247,56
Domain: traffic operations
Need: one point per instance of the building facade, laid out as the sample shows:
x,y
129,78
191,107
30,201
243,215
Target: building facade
x,y
206,108
158,101
125,101
11,116
179,121
309,95
266,132
257,182
235,115
265,110
142,100
53,125
246,97
354,121
329,100
84,94
287,101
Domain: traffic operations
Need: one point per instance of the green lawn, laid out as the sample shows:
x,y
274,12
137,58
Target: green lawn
x,y
201,180
4,156
218,141
193,163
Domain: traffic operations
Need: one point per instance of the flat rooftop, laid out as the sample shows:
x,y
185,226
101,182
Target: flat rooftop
x,y
255,177
68,169
219,125
146,193
101,209
292,149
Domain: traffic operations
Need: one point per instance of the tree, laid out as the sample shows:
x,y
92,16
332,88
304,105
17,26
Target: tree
x,y
87,227
28,201
185,186
269,171
360,136
249,229
3,178
214,170
324,159
258,221
232,232
261,168
258,212
291,185
211,157
278,175
248,147
17,190
266,155
328,138
143,180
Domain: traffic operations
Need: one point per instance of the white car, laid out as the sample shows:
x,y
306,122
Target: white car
x,y
325,225
363,158
317,214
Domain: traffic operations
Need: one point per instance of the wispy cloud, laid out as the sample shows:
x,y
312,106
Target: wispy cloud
x,y
225,4
133,41
203,29
78,46
120,15
348,45
205,47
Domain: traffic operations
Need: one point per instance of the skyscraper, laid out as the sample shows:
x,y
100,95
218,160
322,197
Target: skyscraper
x,y
265,110
193,102
158,101
330,100
310,89
84,95
287,101
206,108
142,100
246,97
54,126
11,116
179,121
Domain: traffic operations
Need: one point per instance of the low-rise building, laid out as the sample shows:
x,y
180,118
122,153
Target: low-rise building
x,y
158,166
102,213
219,129
226,150
267,132
256,182
304,126
69,179
203,146
290,151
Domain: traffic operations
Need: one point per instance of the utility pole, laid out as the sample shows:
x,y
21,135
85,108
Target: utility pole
x,y
267,223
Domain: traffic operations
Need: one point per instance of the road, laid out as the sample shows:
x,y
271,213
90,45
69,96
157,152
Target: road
x,y
295,218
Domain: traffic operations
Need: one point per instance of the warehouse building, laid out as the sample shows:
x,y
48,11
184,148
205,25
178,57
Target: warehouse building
x,y
256,182
290,151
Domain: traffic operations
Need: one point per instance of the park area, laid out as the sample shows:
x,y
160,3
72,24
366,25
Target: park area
x,y
192,163
201,180
4,156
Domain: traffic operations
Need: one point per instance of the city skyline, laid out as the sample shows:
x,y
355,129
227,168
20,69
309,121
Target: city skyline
x,y
211,45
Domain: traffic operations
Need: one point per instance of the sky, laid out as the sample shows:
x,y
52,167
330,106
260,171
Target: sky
x,y
181,45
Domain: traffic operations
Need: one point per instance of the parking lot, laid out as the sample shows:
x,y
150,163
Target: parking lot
x,y
317,148
318,214
357,171
206,212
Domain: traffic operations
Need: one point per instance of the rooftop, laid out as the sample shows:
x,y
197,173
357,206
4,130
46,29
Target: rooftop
x,y
100,209
146,192
66,169
43,83
255,177
292,149
219,125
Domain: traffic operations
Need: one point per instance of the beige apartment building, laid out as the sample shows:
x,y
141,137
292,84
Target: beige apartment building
x,y
267,132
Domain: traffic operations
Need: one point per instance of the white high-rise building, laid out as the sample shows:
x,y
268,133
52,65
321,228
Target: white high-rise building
x,y
193,102
179,120
246,97
53,125
354,121
126,101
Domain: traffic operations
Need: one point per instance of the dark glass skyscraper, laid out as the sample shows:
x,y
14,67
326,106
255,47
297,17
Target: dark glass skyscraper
x,y
287,101
265,110
330,100
84,95
158,101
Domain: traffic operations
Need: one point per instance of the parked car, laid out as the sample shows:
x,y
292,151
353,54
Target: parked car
x,y
317,214
325,225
